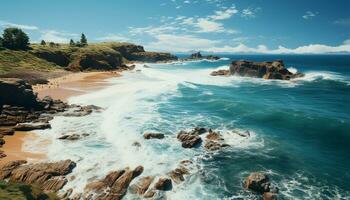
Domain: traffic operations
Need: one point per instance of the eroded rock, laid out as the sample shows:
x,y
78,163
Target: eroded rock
x,y
189,140
48,176
148,136
163,184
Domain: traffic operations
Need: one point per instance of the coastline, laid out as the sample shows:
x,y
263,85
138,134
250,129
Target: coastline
x,y
62,88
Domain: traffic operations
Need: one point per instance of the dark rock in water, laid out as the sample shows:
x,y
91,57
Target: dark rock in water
x,y
73,137
221,72
212,145
32,126
189,140
148,136
196,55
48,176
136,144
266,70
177,175
114,185
163,184
244,134
260,183
213,136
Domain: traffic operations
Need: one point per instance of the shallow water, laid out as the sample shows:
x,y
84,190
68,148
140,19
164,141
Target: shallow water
x,y
300,129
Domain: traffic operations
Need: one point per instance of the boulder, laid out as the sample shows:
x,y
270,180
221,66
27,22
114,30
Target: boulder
x,y
189,140
163,184
31,126
259,183
213,136
48,176
269,196
177,175
221,72
148,136
266,70
114,185
17,92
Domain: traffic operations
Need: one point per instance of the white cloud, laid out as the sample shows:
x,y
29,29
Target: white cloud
x,y
6,24
180,43
343,22
113,37
206,25
224,14
57,36
307,49
249,12
309,15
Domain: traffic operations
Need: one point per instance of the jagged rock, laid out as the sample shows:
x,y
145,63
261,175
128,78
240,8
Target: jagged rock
x,y
70,137
163,184
196,55
221,72
259,183
213,136
148,136
177,175
48,176
189,140
114,185
266,70
31,126
142,185
212,145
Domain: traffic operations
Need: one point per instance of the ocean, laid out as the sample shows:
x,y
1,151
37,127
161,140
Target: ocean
x,y
300,129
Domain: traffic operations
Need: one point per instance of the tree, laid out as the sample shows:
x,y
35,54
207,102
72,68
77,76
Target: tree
x,y
71,43
0,42
83,40
52,44
43,42
15,38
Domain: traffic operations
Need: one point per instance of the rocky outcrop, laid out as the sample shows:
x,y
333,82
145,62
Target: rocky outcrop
x,y
90,59
17,92
142,185
198,56
137,53
148,136
260,183
31,126
48,176
214,141
73,136
266,70
113,186
164,184
188,139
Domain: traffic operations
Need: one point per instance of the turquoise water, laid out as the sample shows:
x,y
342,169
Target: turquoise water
x,y
305,127
300,129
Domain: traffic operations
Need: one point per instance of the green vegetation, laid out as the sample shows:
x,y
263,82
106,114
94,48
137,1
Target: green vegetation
x,y
83,40
16,191
43,42
15,39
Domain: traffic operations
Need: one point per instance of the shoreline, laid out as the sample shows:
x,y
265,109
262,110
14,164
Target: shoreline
x,y
62,88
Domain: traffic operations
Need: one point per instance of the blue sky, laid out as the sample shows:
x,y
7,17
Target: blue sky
x,y
245,26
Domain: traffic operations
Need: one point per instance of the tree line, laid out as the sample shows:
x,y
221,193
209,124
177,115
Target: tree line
x,y
16,39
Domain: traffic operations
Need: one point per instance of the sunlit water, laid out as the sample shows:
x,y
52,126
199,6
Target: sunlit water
x,y
300,129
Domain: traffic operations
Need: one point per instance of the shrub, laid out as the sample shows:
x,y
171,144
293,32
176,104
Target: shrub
x,y
83,40
43,42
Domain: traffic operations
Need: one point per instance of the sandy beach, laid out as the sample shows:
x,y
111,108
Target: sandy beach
x,y
58,88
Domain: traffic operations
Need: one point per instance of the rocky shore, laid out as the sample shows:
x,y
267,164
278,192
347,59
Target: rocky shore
x,y
265,70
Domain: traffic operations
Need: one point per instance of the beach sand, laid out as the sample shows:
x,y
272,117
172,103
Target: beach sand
x,y
58,88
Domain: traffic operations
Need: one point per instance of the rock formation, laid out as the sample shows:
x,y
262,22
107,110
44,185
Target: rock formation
x,y
148,136
48,176
266,70
189,140
198,56
113,186
260,183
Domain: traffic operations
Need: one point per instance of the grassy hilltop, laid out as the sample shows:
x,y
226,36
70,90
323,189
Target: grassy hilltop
x,y
95,56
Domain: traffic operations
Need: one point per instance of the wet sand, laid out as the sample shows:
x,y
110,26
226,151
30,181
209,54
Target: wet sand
x,y
58,88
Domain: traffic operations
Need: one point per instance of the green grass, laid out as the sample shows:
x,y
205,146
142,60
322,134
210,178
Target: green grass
x,y
17,60
16,191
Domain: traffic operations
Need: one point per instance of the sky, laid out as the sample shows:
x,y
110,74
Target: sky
x,y
221,26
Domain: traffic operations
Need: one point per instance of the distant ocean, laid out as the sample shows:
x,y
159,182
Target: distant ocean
x,y
300,129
